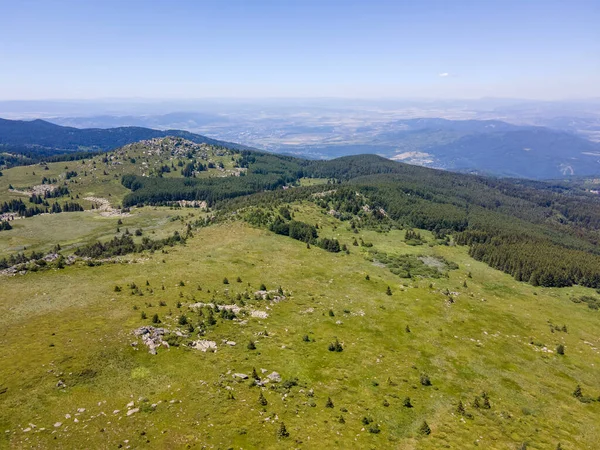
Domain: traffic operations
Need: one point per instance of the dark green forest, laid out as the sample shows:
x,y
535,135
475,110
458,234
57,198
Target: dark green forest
x,y
542,233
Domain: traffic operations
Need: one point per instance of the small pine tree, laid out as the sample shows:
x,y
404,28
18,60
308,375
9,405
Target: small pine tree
x,y
386,403
305,338
388,291
486,403
254,374
577,393
329,403
424,429
460,408
331,313
407,329
406,403
183,320
282,432
476,403
155,319
341,419
465,284
251,345
263,287
560,349
225,281
425,381
262,400
367,277
239,280
143,315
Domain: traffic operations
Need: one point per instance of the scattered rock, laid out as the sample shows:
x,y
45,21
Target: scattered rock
x,y
132,411
204,345
274,377
241,376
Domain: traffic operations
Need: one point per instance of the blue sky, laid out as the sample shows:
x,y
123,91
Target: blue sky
x,y
356,49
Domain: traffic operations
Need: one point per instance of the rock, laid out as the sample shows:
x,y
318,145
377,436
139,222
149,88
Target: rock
x,y
57,424
241,376
130,404
61,384
80,410
274,377
204,345
116,411
259,314
230,343
132,411
67,416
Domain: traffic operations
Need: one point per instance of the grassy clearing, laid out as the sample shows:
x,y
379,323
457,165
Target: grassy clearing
x,y
42,232
71,325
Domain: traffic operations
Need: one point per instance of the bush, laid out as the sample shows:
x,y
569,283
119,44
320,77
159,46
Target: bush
x,y
282,432
425,381
424,429
335,346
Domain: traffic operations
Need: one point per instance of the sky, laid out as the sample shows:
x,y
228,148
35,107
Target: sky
x,y
87,49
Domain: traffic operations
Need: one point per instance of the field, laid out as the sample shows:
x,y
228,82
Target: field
x,y
477,330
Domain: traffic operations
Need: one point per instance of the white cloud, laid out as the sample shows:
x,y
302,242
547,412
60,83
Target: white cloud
x,y
444,74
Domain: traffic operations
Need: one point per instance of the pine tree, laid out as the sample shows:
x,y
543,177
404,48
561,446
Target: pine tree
x,y
406,403
577,393
388,291
251,345
262,400
282,432
155,319
560,349
424,429
225,281
254,374
460,408
143,315
329,403
367,277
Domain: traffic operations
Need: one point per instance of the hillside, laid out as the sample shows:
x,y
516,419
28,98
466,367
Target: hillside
x,y
218,298
41,138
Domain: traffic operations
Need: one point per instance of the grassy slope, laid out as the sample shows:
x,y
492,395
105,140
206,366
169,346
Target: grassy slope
x,y
467,347
103,179
41,233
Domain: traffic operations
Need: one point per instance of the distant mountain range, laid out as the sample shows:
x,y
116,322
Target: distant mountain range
x,y
45,138
477,146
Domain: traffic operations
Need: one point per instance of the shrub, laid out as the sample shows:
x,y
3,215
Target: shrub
x,y
262,400
155,319
251,345
183,320
424,429
425,381
335,346
282,432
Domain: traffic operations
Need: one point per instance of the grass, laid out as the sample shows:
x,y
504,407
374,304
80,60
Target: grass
x,y
70,325
41,233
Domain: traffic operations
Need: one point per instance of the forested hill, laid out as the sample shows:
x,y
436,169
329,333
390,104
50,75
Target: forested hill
x,y
542,233
41,138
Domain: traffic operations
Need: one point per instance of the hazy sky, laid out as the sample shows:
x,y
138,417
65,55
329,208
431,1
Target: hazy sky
x,y
192,49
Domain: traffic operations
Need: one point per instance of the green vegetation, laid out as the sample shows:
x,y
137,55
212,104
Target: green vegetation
x,y
145,337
